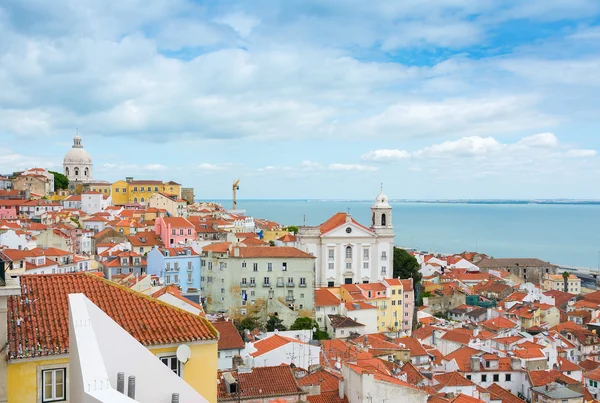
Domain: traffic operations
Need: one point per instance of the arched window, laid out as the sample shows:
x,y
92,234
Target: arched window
x,y
135,199
348,252
383,220
76,171
142,200
85,172
67,171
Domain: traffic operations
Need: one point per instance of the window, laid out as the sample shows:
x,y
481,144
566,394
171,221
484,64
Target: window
x,y
116,189
244,281
252,281
174,232
330,266
284,266
252,293
365,265
496,377
484,378
348,266
210,265
302,281
331,254
406,305
135,188
173,363
255,267
365,253
190,280
330,284
168,266
469,377
384,255
393,302
181,231
222,291
383,270
156,188
267,281
348,252
124,190
243,265
54,386
406,314
176,279
487,364
190,266
269,266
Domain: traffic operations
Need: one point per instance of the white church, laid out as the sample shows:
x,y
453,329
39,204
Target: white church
x,y
348,252
77,164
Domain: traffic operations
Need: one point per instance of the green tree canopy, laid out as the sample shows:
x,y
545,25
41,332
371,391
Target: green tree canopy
x,y
274,323
304,323
60,181
250,322
406,266
292,228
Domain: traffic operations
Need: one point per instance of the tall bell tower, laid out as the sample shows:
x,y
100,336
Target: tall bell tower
x,y
381,211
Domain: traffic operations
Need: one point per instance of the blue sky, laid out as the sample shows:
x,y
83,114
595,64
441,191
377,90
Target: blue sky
x,y
310,99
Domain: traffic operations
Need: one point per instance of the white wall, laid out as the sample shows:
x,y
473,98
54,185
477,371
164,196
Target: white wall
x,y
11,240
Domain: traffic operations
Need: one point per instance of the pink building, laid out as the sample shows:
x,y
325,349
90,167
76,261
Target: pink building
x,y
9,209
174,230
409,303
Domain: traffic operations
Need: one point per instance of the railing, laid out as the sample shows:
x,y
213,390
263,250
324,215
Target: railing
x,y
252,285
243,284
290,284
266,285
280,284
290,298
302,285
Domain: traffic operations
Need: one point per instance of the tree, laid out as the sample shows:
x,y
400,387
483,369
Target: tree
x,y
304,323
249,322
565,276
60,181
406,266
292,228
274,323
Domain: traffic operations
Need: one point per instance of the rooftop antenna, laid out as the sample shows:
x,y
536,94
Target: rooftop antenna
x,y
382,186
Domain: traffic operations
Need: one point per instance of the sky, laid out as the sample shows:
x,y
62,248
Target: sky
x,y
444,99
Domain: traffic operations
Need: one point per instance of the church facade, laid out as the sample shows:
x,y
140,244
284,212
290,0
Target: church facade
x,y
348,252
77,164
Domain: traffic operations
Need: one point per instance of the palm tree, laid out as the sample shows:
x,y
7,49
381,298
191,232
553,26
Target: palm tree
x,y
565,276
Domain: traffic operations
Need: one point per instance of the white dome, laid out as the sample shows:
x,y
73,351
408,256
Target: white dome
x,y
381,201
77,156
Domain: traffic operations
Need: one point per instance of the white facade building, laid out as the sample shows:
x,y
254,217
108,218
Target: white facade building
x,y
77,164
92,202
349,253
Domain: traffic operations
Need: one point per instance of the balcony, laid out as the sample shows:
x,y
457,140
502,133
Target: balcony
x,y
243,284
290,284
266,285
290,298
280,284
252,285
302,285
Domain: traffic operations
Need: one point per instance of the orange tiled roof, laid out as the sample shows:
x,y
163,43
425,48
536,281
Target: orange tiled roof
x,y
273,251
229,338
415,347
323,297
218,247
337,220
453,379
328,380
327,397
503,394
271,343
42,310
542,377
261,382
460,335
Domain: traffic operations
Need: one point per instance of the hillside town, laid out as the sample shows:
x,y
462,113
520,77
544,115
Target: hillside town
x,y
121,288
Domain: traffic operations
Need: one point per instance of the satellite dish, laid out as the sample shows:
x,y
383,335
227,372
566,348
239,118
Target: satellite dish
x,y
184,353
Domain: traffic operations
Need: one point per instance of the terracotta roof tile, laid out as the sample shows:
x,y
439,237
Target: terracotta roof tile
x,y
271,343
323,297
327,397
415,347
460,335
328,380
506,397
541,378
273,251
260,382
452,379
44,326
338,321
229,338
337,220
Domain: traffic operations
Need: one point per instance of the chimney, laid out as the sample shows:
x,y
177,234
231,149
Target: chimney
x,y
341,388
476,332
131,387
121,382
237,361
475,364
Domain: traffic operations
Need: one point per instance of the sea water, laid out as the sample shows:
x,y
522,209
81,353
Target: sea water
x,y
561,233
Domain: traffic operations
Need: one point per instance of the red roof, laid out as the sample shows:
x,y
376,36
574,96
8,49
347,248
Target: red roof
x,y
271,343
176,222
327,397
337,220
273,251
44,325
541,378
415,347
260,382
229,338
453,379
323,297
329,381
460,335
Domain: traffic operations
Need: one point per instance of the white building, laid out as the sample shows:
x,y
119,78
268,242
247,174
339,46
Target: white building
x,y
10,239
277,350
347,252
77,164
92,202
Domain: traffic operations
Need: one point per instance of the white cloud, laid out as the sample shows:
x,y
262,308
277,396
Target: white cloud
x,y
385,155
464,147
581,153
154,167
541,140
242,23
205,166
352,167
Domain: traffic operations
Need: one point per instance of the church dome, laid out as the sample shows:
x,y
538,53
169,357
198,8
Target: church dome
x,y
77,155
382,201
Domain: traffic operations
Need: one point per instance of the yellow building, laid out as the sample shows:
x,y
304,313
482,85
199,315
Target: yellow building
x,y
132,191
386,295
38,339
557,282
104,188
